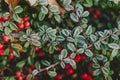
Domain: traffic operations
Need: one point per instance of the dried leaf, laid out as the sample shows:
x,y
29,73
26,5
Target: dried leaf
x,y
50,2
31,2
14,2
54,2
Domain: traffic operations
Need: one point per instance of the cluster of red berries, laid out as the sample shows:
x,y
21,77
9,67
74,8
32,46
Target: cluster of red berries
x,y
5,39
2,19
23,23
96,14
86,76
30,68
19,75
10,56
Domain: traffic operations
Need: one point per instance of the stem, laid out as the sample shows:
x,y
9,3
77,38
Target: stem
x,y
47,68
103,38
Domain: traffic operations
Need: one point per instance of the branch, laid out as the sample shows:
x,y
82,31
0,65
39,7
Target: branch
x,y
103,38
51,66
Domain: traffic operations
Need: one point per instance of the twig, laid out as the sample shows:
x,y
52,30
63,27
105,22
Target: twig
x,y
103,38
51,66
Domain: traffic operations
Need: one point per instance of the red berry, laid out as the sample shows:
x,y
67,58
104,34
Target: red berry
x,y
67,66
83,57
5,38
90,64
20,25
20,78
11,50
40,54
1,45
1,52
11,56
77,58
98,12
35,78
58,76
91,72
29,68
5,18
25,18
84,76
32,67
27,23
21,51
90,9
95,16
36,48
59,48
69,71
89,77
18,73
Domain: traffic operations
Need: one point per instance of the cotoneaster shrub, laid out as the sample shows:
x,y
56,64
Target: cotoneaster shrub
x,y
59,40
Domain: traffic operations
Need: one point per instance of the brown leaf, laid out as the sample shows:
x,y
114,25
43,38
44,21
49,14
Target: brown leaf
x,y
54,2
50,2
14,2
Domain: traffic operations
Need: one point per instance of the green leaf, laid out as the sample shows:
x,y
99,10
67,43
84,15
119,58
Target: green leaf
x,y
88,3
71,46
69,7
6,52
79,11
6,14
20,64
96,72
95,65
114,53
54,9
57,18
18,9
60,38
88,53
80,51
100,57
105,70
13,26
85,14
44,9
67,2
93,37
65,32
74,17
52,73
41,16
51,49
89,30
77,31
30,60
26,44
36,43
16,53
7,31
45,62
115,37
73,64
43,2
62,64
64,53
16,17
37,65
113,45
32,51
